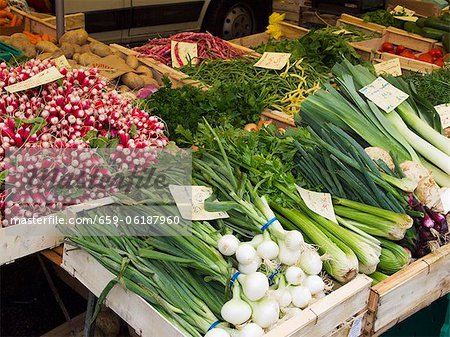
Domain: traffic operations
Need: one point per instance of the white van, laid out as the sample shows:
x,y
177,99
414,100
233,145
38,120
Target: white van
x,y
130,21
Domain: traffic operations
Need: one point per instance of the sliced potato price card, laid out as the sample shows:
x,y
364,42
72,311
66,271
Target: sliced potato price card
x,y
320,203
384,94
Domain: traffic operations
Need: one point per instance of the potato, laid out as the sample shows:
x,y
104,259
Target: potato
x,y
19,36
78,36
123,89
67,49
120,54
76,57
143,70
76,47
73,64
133,81
46,46
25,46
5,38
100,49
116,60
44,56
85,49
86,59
132,61
148,80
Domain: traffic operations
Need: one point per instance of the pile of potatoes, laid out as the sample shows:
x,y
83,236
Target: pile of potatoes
x,y
74,45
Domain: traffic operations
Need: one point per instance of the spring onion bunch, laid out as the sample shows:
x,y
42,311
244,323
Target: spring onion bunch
x,y
401,132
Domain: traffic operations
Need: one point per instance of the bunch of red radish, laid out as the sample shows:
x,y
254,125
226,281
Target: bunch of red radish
x,y
209,47
79,111
434,55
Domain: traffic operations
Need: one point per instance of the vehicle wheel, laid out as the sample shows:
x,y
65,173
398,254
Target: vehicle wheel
x,y
230,19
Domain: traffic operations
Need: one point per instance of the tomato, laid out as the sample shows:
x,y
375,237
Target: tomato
x,y
439,62
426,58
392,52
436,53
408,54
387,46
400,49
447,57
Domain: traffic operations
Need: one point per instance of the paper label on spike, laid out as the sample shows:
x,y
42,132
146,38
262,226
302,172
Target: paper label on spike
x,y
48,75
190,201
444,194
320,203
444,112
384,95
61,62
391,67
356,329
275,61
182,53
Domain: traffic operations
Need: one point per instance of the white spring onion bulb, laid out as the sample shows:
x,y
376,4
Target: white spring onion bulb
x,y
245,253
217,332
251,267
287,256
294,275
236,311
254,285
265,312
283,297
250,330
300,296
294,240
257,240
228,244
267,249
310,262
314,283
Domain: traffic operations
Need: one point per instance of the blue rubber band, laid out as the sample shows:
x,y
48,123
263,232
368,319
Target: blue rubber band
x,y
271,276
212,326
233,278
268,223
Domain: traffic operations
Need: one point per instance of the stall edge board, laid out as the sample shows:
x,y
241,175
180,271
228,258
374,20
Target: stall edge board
x,y
406,292
130,307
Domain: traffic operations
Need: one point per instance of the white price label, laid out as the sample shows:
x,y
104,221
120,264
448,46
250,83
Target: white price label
x,y
391,67
356,329
444,112
320,203
61,62
400,9
48,75
190,201
384,94
407,18
275,61
444,195
182,53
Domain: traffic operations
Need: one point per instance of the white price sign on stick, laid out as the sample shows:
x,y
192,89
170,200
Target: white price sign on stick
x,y
444,112
391,67
275,61
320,203
182,53
384,94
47,76
190,201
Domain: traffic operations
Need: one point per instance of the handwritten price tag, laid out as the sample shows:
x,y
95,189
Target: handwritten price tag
x,y
48,75
275,61
444,112
319,203
182,53
61,62
190,201
391,67
444,195
384,94
400,9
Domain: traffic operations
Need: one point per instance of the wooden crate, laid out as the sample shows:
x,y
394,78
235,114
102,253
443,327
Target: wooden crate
x,y
320,319
359,24
72,21
370,49
291,9
408,291
288,30
34,24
